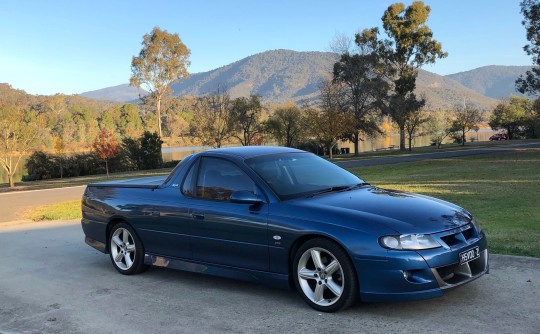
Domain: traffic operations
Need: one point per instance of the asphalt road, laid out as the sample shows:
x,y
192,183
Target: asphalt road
x,y
52,282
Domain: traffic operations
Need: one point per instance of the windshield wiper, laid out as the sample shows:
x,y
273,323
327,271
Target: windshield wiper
x,y
358,185
329,190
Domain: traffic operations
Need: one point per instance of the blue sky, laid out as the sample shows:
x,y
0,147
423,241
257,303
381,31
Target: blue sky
x,y
71,47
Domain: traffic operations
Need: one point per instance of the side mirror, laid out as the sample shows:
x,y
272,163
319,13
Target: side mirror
x,y
245,197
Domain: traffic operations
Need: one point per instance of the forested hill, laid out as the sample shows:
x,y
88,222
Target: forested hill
x,y
278,76
284,75
494,81
122,93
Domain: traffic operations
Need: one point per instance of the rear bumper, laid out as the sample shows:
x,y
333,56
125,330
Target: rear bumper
x,y
100,246
410,275
95,234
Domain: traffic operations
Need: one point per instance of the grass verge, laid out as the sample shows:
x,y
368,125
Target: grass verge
x,y
65,210
501,191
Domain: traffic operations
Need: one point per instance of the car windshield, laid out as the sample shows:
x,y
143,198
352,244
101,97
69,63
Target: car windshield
x,y
293,175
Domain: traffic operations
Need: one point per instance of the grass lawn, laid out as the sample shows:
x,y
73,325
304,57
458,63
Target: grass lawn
x,y
502,192
58,211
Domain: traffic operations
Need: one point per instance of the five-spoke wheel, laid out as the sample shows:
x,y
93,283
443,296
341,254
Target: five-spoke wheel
x,y
325,276
126,250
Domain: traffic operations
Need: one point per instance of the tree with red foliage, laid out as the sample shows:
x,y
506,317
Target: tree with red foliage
x,y
105,147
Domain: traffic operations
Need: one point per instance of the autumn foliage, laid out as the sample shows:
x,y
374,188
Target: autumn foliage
x,y
106,147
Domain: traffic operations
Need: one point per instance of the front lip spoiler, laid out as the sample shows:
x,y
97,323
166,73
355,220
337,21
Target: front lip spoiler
x,y
464,271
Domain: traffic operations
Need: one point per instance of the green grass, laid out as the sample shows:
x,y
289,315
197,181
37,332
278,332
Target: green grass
x,y
59,211
502,191
432,149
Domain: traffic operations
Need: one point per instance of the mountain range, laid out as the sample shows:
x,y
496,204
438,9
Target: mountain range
x,y
283,75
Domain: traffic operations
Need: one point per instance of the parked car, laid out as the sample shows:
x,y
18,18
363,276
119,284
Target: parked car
x,y
499,136
286,218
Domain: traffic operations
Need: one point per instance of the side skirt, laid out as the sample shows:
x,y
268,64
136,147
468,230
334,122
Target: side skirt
x,y
274,280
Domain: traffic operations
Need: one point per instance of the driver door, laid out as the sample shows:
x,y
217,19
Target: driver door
x,y
226,233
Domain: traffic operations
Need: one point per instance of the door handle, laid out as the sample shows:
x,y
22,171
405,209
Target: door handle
x,y
197,216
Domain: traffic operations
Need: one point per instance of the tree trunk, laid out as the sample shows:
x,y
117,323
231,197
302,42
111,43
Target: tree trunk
x,y
463,138
107,168
410,143
159,115
11,182
356,140
402,146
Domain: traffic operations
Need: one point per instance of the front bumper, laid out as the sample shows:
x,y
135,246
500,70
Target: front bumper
x,y
415,275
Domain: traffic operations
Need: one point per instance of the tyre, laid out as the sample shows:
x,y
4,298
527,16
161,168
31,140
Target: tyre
x,y
126,250
324,275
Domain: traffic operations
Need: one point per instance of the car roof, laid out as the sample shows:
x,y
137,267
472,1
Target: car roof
x,y
245,152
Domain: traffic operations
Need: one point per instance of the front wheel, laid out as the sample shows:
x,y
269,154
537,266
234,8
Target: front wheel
x,y
325,276
126,250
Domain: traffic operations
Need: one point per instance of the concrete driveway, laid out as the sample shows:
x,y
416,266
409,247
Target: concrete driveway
x,y
51,282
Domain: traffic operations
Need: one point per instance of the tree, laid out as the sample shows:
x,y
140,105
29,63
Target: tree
x,y
246,117
178,115
105,147
145,152
286,125
530,81
162,60
511,115
466,118
212,119
328,122
151,157
363,84
439,126
129,123
413,123
19,133
532,122
411,46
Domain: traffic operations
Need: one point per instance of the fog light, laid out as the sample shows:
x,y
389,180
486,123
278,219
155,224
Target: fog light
x,y
406,274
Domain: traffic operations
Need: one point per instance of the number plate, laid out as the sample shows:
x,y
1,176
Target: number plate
x,y
469,255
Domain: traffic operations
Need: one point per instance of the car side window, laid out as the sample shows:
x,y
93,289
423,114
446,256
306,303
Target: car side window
x,y
187,186
218,179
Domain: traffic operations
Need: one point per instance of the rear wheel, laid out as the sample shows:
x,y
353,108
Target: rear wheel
x,y
126,250
325,276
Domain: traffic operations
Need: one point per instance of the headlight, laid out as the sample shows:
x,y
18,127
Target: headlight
x,y
409,242
476,225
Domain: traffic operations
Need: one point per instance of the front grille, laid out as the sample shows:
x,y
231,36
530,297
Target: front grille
x,y
460,236
456,274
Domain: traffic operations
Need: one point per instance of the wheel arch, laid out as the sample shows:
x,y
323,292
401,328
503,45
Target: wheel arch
x,y
112,222
305,238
